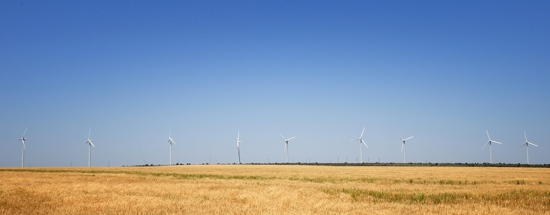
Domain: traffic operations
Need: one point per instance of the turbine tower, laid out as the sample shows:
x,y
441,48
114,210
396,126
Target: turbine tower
x,y
404,148
239,146
526,144
23,148
490,142
286,145
361,141
170,141
90,144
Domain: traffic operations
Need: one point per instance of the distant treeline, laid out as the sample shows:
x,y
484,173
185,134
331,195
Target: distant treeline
x,y
372,164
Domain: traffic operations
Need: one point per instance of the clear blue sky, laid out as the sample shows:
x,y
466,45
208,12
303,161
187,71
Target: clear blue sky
x,y
441,71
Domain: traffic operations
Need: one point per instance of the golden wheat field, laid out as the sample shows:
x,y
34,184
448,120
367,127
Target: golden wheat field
x,y
263,189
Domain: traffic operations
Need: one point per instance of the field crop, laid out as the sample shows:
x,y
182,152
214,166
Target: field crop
x,y
263,189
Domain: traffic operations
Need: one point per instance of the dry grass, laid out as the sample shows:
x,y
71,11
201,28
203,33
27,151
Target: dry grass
x,y
247,189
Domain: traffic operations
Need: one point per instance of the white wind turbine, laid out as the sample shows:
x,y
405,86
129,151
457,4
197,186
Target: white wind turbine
x,y
286,145
23,148
490,142
239,146
361,141
404,148
170,141
90,144
526,144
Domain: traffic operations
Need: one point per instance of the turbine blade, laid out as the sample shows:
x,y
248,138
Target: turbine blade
x,y
238,135
400,137
283,137
362,132
525,136
532,144
92,144
25,132
408,138
362,141
488,134
496,142
89,133
290,138
522,145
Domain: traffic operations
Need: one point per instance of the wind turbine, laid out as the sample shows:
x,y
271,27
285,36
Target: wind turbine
x,y
170,141
490,142
23,148
90,144
239,146
286,145
361,141
403,148
526,144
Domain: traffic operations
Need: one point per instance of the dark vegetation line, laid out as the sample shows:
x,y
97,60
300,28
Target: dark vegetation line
x,y
372,164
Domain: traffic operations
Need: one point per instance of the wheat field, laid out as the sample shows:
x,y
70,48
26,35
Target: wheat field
x,y
264,189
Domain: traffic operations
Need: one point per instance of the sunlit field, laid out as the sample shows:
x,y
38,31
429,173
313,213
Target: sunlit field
x,y
258,189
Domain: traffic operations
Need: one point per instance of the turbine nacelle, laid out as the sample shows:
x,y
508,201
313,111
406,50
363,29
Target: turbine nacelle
x,y
89,141
490,142
286,145
361,138
361,141
286,140
171,141
404,140
23,139
23,142
526,144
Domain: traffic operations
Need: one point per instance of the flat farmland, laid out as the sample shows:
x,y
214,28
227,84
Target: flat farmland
x,y
270,189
